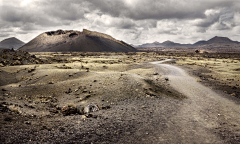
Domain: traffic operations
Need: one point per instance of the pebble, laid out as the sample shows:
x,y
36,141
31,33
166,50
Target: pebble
x,y
27,122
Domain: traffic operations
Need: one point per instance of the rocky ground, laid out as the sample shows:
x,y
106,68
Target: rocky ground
x,y
95,98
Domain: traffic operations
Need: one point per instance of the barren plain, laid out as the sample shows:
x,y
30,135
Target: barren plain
x,y
137,97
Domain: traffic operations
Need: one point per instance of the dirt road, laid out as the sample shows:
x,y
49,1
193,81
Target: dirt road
x,y
205,116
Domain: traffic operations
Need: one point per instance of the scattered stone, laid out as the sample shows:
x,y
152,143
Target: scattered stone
x,y
27,122
62,129
95,81
95,116
53,111
234,87
197,51
91,108
69,91
17,62
31,106
51,83
69,109
166,79
58,108
88,96
84,117
106,107
88,115
87,69
80,109
8,119
84,91
14,109
4,89
156,73
31,70
233,94
3,108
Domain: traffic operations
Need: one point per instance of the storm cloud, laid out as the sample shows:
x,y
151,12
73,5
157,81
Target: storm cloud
x,y
134,21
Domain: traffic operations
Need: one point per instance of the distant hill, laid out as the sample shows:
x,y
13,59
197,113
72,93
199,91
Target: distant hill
x,y
67,41
164,44
216,40
11,43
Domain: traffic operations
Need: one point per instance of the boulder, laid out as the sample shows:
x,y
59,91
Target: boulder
x,y
91,108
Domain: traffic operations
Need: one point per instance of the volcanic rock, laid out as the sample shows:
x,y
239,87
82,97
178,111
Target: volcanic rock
x,y
75,41
91,108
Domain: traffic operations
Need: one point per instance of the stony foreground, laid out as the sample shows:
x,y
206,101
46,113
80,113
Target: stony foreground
x,y
109,98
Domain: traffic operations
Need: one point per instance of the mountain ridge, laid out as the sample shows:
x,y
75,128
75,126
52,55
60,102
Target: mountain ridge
x,y
213,41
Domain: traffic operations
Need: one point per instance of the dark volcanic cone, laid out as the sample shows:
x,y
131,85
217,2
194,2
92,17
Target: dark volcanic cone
x,y
65,41
11,43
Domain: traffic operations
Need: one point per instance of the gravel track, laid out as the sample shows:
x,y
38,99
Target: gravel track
x,y
206,116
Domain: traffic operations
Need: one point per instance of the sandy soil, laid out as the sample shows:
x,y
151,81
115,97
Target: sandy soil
x,y
140,102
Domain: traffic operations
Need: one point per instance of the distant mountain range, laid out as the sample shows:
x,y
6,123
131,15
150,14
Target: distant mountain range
x,y
164,44
11,43
76,41
217,40
211,42
90,41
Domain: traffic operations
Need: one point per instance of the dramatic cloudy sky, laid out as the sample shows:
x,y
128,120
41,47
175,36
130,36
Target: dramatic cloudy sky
x,y
134,21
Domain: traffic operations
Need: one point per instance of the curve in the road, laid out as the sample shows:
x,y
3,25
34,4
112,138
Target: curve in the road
x,y
203,110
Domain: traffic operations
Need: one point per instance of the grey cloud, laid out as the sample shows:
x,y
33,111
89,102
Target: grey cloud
x,y
217,20
135,20
170,32
221,26
126,24
22,32
158,9
132,34
4,35
65,10
208,21
201,29
44,13
29,27
136,35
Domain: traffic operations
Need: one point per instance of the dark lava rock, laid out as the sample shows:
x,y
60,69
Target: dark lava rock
x,y
80,109
27,122
69,91
8,119
17,57
91,108
68,110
